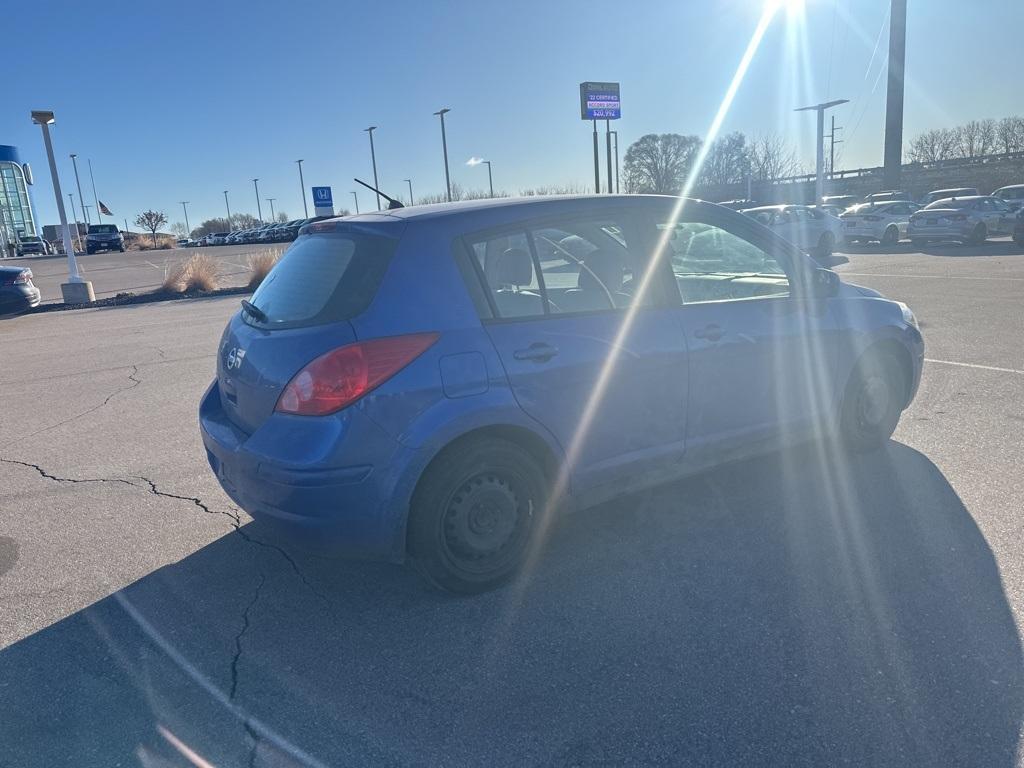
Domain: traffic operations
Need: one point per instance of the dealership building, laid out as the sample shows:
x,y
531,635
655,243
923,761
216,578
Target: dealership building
x,y
16,216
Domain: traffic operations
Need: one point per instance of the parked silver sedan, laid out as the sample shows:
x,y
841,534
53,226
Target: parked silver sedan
x,y
965,219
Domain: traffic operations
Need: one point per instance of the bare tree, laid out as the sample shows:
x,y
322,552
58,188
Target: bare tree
x,y
659,163
771,158
727,161
151,221
975,138
932,146
574,188
178,228
282,217
1010,134
238,221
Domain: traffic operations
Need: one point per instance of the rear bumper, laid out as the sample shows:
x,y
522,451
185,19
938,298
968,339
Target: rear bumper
x,y
936,232
866,231
330,483
19,299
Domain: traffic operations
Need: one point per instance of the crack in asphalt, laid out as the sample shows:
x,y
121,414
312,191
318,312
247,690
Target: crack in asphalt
x,y
233,516
132,377
241,633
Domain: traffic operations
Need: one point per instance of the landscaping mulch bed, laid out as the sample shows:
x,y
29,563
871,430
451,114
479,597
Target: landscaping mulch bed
x,y
124,299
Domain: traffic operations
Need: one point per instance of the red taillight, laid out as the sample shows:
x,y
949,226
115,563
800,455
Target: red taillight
x,y
342,376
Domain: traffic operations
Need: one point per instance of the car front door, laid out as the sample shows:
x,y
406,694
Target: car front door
x,y
588,355
761,354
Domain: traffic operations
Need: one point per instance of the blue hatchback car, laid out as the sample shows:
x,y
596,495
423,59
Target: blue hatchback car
x,y
429,383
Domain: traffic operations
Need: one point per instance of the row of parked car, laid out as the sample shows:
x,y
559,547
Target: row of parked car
x,y
279,232
960,214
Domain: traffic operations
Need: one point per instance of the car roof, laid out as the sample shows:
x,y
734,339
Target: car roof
x,y
951,189
1011,186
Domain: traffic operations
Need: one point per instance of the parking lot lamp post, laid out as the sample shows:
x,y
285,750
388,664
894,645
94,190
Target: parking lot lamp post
x,y
444,146
271,201
490,179
184,207
373,159
302,188
81,200
76,290
228,206
356,198
409,182
616,135
259,210
819,165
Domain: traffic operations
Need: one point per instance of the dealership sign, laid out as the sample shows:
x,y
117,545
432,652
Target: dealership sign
x,y
600,101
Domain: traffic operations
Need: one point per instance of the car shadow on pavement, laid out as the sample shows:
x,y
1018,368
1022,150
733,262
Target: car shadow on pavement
x,y
800,609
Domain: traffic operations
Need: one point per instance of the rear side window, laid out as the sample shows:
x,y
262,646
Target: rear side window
x,y
323,278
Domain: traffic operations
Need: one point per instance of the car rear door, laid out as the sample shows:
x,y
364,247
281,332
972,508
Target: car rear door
x,y
761,355
589,355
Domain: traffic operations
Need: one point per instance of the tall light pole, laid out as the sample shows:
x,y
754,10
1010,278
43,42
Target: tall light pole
x,y
893,157
271,201
81,200
444,145
480,161
74,214
409,182
184,207
76,290
302,187
99,213
226,205
356,198
616,135
819,160
259,211
373,159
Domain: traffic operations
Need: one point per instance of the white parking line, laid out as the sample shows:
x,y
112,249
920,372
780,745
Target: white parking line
x,y
974,365
940,277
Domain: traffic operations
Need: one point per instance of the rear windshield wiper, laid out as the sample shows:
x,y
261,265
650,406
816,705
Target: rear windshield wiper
x,y
255,311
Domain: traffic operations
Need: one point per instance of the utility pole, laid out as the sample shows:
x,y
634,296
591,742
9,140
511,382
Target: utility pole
x,y
409,182
373,159
228,206
832,148
302,186
444,146
894,93
819,165
259,211
184,207
355,197
271,201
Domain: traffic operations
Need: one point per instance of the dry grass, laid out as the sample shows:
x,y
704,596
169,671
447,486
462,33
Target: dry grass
x,y
260,265
198,272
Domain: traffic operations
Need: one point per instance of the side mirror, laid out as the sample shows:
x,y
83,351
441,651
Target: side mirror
x,y
823,284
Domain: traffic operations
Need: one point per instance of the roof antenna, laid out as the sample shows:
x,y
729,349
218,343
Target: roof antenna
x,y
392,203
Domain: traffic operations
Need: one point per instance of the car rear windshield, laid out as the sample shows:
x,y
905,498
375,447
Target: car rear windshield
x,y
103,229
323,278
948,202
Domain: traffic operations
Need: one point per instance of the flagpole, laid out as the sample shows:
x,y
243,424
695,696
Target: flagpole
x,y
99,213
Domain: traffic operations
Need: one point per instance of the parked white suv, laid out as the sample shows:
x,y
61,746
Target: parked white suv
x,y
810,229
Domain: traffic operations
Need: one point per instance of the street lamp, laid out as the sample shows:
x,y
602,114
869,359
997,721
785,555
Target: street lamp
x,y
356,198
373,159
228,207
480,161
184,207
76,290
444,145
74,214
271,201
409,182
819,161
302,188
259,211
78,184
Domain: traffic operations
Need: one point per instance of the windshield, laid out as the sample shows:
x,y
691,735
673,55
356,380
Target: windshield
x,y
103,229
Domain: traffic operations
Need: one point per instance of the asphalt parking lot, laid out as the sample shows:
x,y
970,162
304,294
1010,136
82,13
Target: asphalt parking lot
x,y
798,610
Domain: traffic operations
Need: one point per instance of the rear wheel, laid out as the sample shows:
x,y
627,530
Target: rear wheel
x,y
978,235
872,402
474,514
891,236
826,243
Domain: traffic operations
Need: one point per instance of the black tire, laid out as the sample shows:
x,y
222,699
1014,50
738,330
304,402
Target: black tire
x,y
873,402
121,249
891,236
826,243
978,235
474,513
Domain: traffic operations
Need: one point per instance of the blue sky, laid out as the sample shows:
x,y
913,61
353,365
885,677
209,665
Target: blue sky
x,y
179,101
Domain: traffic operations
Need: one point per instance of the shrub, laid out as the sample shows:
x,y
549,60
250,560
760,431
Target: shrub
x,y
198,272
260,265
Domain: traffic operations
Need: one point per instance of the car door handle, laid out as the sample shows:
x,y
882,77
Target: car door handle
x,y
539,352
712,332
